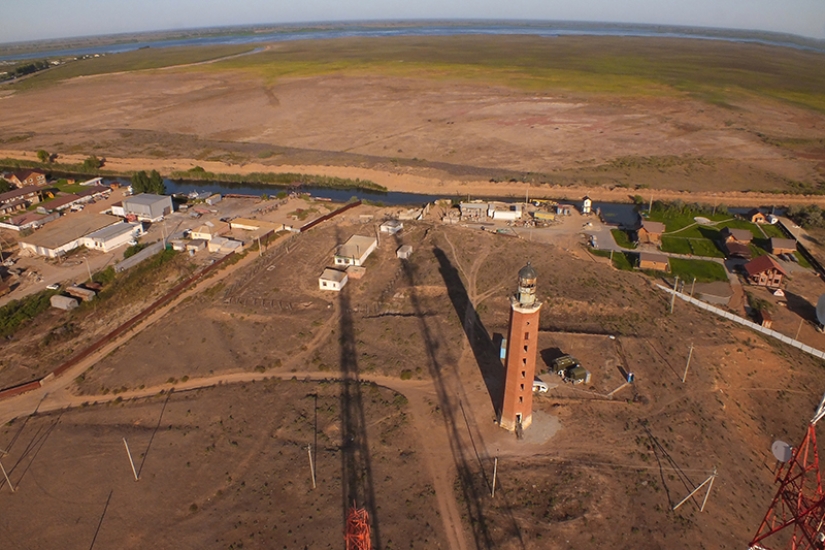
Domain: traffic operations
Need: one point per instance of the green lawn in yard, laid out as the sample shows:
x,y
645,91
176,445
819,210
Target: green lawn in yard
x,y
773,231
705,247
676,245
705,272
622,239
802,261
621,260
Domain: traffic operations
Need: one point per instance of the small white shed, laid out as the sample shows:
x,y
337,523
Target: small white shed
x,y
332,279
404,252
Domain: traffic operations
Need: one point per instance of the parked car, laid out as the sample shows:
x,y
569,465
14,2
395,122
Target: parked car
x,y
53,286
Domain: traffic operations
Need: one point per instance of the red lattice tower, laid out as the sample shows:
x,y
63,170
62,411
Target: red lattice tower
x,y
357,536
796,517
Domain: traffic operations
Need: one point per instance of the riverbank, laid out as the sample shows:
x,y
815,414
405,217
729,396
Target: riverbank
x,y
408,181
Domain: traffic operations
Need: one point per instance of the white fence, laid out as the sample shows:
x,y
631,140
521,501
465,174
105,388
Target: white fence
x,y
750,324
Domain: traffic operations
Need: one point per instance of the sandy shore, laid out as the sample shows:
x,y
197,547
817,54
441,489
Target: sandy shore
x,y
409,182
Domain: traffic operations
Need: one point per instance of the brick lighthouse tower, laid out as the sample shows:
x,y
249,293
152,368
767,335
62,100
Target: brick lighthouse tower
x,y
520,365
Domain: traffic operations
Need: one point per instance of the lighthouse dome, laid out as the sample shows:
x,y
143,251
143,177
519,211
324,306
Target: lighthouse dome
x,y
527,272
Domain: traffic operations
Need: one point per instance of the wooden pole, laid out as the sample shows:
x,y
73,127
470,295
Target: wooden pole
x,y
799,329
696,490
705,501
690,354
673,298
495,472
311,466
132,462
693,287
7,477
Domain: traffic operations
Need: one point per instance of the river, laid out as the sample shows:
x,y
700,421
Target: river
x,y
251,35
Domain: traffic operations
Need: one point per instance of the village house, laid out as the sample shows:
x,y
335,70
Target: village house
x,y
27,178
473,211
783,246
650,232
587,205
653,261
764,271
356,250
743,236
756,216
30,194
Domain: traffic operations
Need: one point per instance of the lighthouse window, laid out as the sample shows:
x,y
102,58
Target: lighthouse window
x,y
525,348
521,400
522,387
524,374
526,335
524,361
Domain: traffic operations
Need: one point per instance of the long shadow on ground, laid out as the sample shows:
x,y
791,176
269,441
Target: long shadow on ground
x,y
357,486
484,350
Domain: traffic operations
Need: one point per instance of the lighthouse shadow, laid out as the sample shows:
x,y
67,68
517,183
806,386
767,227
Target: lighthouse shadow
x,y
484,348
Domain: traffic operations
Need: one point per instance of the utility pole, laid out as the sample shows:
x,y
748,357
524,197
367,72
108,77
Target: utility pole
x,y
89,269
673,298
311,466
693,286
709,481
260,250
132,462
495,472
799,329
690,354
650,208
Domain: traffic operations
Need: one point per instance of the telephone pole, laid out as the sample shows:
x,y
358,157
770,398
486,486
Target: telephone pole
x,y
675,290
690,354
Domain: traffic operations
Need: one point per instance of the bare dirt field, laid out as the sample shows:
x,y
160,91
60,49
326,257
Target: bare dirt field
x,y
219,468
609,476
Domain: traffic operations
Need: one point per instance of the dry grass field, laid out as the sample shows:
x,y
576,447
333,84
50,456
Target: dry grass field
x,y
669,114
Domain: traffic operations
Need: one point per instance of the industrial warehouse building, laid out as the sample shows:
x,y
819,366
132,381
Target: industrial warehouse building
x,y
113,236
64,234
148,207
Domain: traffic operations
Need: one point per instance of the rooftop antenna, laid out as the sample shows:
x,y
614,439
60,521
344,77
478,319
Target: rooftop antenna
x,y
798,507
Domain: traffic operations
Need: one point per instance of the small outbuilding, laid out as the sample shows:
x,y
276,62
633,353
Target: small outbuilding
x,y
655,262
564,209
783,246
587,205
63,302
332,279
404,252
391,226
735,249
764,318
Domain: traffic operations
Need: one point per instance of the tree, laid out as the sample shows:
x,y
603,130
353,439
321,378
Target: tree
x,y
43,155
92,163
152,183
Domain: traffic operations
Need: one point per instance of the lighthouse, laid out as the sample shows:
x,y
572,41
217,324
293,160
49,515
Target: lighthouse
x,y
520,363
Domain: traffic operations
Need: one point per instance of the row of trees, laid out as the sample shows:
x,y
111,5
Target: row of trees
x,y
148,183
807,216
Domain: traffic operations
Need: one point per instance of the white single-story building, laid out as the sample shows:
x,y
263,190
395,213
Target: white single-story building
x,y
587,205
391,226
503,211
473,210
209,231
118,210
332,279
65,234
112,237
356,250
404,252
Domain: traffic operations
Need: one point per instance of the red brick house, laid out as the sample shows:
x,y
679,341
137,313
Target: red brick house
x,y
756,216
27,178
764,271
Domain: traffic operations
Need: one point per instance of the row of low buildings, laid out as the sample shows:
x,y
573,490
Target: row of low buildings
x,y
475,211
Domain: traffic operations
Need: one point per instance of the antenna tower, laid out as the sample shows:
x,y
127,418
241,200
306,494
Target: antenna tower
x,y
357,536
796,517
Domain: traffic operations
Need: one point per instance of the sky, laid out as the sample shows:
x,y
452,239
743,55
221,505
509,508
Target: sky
x,y
24,20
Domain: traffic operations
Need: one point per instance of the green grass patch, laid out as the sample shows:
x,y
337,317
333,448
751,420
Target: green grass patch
x,y
706,247
621,260
622,238
17,313
150,58
278,179
705,272
676,245
802,261
773,231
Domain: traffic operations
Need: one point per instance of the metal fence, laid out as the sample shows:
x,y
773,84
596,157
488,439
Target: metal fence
x,y
750,324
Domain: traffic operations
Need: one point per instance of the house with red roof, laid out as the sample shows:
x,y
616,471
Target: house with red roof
x,y
764,271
